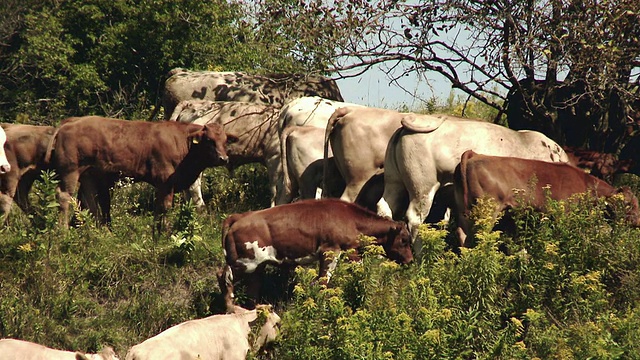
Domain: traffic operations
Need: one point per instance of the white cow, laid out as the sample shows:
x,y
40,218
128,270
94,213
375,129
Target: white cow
x,y
13,349
4,162
423,154
302,165
358,137
256,126
309,111
217,337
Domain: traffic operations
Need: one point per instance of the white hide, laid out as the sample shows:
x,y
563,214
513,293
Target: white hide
x,y
214,337
14,349
4,162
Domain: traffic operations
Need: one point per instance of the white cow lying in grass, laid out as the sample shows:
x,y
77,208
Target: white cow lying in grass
x,y
214,337
13,349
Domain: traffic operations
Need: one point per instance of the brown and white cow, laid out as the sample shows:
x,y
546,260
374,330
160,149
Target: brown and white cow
x,y
303,232
14,349
509,179
167,155
599,164
359,138
214,337
422,156
4,162
302,165
257,129
270,89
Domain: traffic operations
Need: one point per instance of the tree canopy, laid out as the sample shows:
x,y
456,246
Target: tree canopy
x,y
554,55
109,57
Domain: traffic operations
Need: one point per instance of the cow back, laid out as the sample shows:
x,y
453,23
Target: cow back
x,y
273,89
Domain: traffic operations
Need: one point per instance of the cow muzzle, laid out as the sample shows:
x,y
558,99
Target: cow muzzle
x,y
5,168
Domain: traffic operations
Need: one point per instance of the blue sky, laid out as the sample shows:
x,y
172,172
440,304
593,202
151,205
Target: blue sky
x,y
373,89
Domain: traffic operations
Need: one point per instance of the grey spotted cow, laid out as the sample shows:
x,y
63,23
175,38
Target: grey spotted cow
x,y
272,89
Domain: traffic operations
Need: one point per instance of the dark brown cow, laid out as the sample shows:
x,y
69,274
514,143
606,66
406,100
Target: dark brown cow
x,y
167,155
26,151
602,165
303,232
478,176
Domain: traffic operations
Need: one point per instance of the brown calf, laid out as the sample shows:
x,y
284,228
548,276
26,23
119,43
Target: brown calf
x,y
303,232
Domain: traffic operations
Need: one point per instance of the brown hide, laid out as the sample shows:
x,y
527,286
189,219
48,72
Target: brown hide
x,y
306,229
478,176
26,151
168,155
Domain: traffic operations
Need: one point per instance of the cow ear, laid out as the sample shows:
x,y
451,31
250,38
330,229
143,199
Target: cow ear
x,y
231,139
196,137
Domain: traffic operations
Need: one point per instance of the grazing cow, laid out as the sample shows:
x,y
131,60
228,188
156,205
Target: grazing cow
x,y
4,162
602,165
302,165
478,176
423,154
13,349
272,89
214,337
257,127
300,233
167,155
359,138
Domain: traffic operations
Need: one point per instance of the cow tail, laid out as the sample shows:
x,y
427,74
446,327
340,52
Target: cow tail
x,y
231,254
51,145
337,115
286,180
461,182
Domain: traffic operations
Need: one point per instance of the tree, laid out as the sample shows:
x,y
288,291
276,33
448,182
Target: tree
x,y
577,57
63,58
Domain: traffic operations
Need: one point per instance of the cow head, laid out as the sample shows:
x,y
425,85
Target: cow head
x,y
269,330
4,162
398,243
214,140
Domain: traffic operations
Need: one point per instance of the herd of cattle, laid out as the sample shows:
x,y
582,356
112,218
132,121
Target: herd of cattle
x,y
390,171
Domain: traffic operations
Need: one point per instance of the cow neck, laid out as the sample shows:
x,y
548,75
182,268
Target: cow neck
x,y
374,225
189,168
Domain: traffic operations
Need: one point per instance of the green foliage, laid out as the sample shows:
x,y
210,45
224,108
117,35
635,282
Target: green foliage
x,y
110,57
556,293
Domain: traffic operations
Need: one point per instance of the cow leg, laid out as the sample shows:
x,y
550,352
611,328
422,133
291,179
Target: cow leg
x,y
328,262
417,212
195,194
164,200
225,282
254,286
66,187
5,207
274,169
7,192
